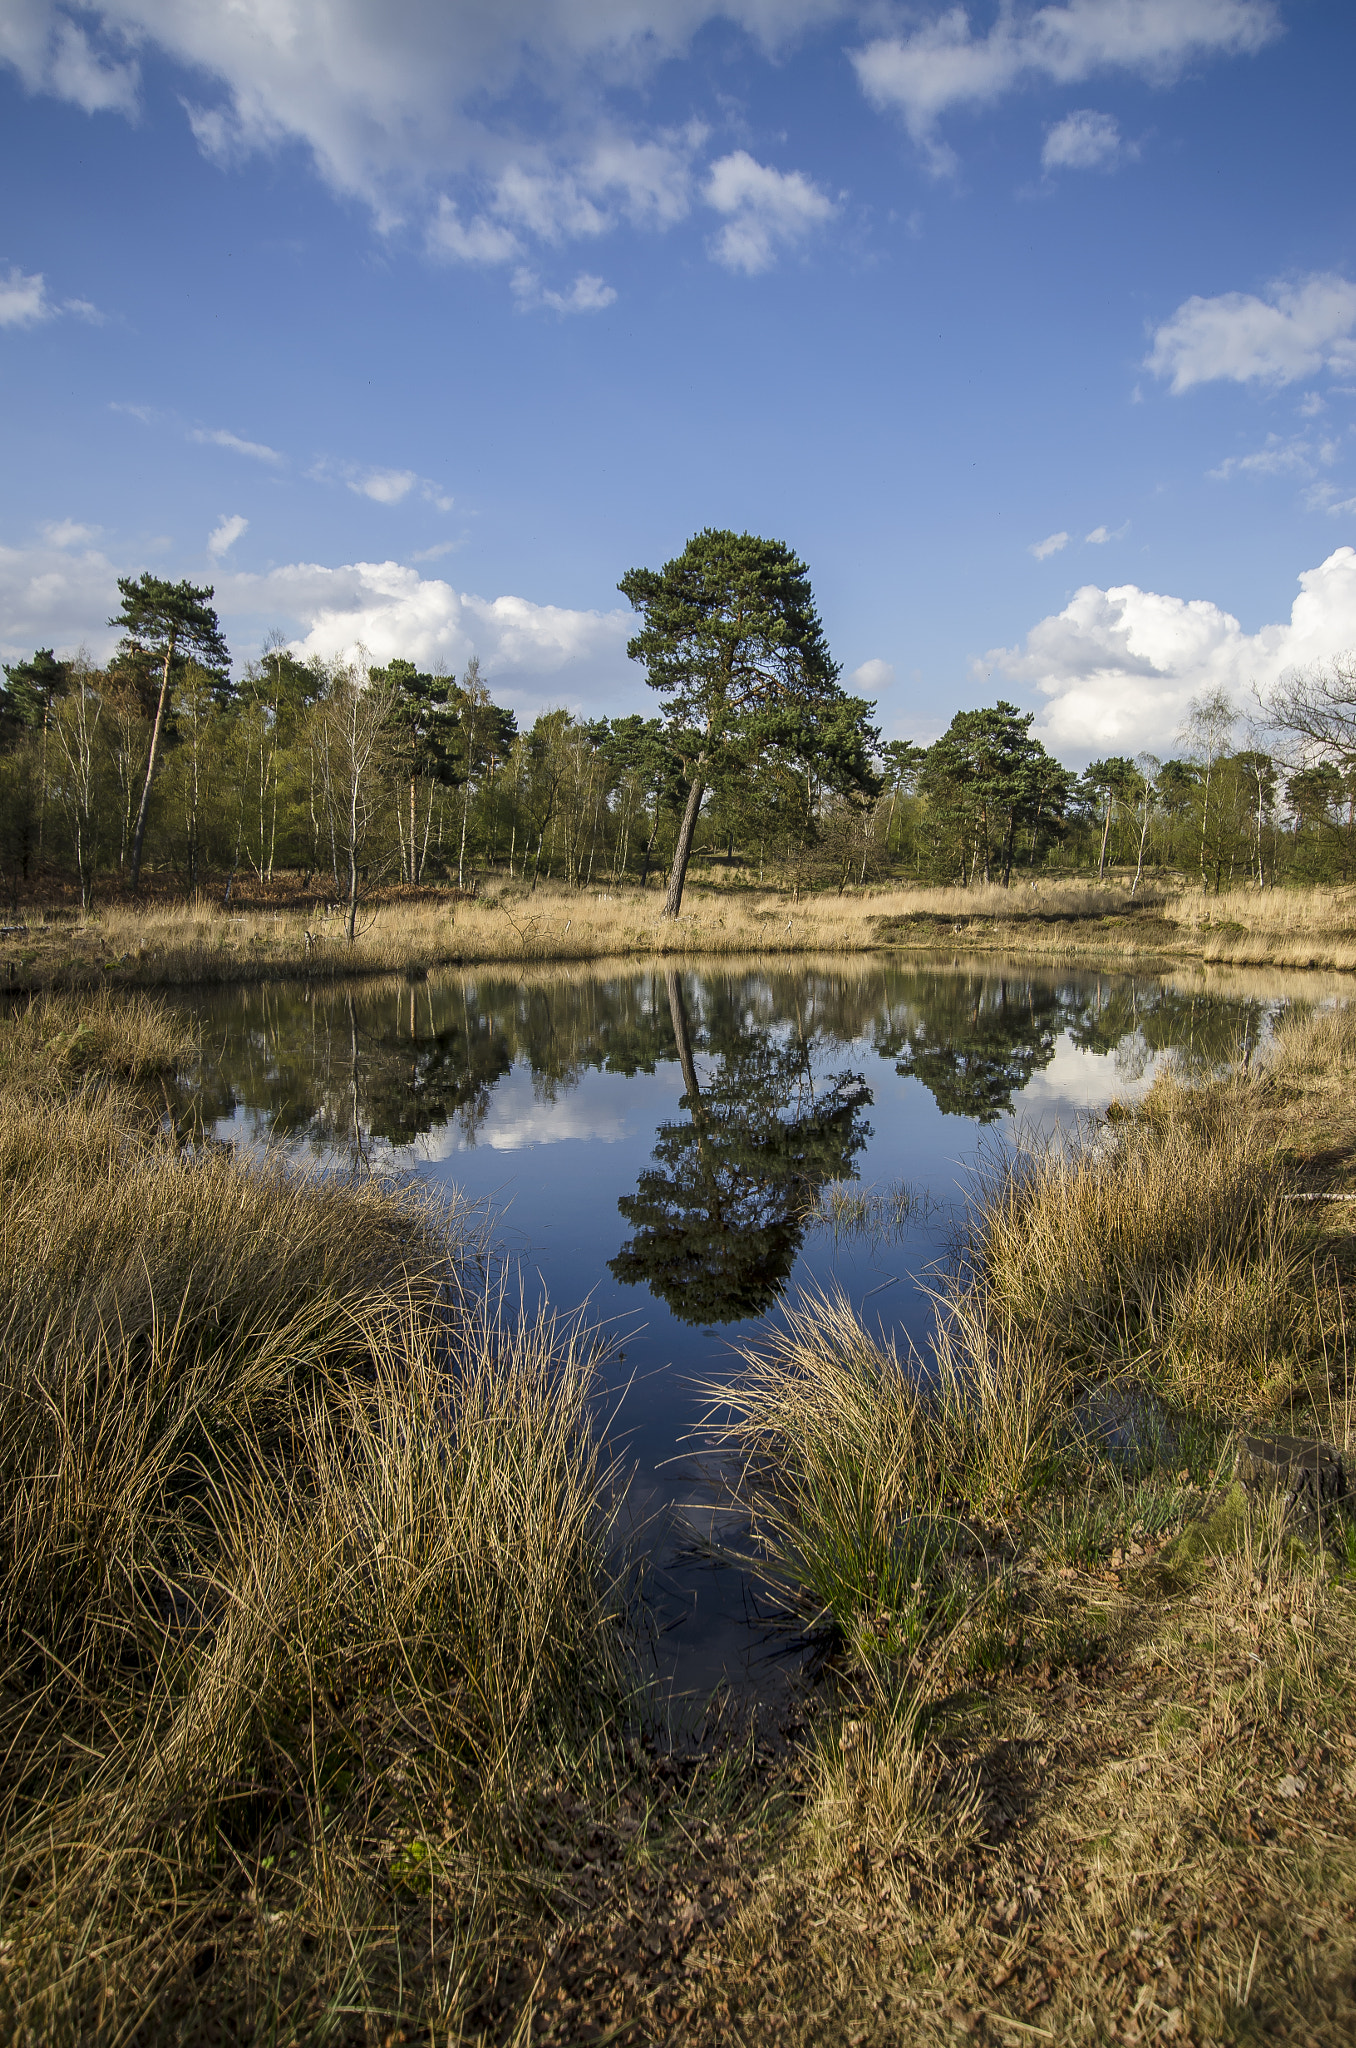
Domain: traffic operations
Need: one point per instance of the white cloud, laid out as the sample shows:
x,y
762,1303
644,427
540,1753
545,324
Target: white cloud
x,y
393,610
1295,331
768,210
1296,456
391,486
872,677
1051,545
388,99
1084,141
384,486
52,597
588,293
53,54
1099,536
549,204
23,300
1118,666
224,537
69,533
942,64
476,241
219,437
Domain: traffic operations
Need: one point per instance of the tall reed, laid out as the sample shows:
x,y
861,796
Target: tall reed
x,y
303,1590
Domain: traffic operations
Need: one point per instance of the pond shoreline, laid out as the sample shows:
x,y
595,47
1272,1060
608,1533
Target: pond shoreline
x,y
1085,1739
164,947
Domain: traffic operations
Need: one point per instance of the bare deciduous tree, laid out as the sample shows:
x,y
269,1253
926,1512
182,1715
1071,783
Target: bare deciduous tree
x,y
1317,705
357,712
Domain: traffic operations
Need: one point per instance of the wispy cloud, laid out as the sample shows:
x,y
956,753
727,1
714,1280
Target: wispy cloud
x,y
221,437
26,302
69,533
391,486
1086,141
942,64
588,294
1051,545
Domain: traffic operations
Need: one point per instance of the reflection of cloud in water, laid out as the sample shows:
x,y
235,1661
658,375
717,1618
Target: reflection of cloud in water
x,y
517,1117
1079,1079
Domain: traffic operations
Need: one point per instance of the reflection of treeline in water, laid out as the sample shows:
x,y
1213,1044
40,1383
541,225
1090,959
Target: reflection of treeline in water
x,y
412,1058
773,1104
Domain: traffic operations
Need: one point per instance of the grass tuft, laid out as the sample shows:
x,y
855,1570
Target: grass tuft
x,y
302,1584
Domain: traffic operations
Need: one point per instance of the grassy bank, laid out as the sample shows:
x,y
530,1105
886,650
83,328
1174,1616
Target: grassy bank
x,y
303,1613
168,945
1091,1769
314,1702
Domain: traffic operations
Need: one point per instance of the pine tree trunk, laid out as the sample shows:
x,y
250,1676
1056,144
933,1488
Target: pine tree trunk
x,y
142,814
673,901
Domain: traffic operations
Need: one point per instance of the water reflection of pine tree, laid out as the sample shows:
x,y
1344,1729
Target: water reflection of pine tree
x,y
719,1220
979,1040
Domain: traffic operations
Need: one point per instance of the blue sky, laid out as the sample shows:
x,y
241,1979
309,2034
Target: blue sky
x,y
1033,329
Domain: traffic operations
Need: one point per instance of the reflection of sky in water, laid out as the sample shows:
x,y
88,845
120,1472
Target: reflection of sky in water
x,y
550,1142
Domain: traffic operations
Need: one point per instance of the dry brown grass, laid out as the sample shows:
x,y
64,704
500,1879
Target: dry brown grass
x,y
303,1598
163,945
309,1680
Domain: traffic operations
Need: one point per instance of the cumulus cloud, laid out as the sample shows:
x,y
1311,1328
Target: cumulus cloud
x,y
392,610
51,596
224,536
767,210
1051,545
942,64
219,437
1117,667
1293,332
872,677
1084,141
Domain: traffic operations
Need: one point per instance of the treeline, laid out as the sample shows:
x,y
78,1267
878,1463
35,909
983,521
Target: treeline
x,y
347,774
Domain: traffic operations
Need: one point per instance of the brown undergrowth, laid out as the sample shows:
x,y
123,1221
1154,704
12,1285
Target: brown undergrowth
x,y
165,943
304,1609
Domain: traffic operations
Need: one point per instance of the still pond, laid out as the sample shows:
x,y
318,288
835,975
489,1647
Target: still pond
x,y
674,1146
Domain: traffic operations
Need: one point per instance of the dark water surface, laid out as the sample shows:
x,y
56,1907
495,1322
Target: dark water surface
x,y
658,1142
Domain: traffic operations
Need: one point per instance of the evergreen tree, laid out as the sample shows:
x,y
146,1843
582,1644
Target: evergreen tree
x,y
732,641
167,620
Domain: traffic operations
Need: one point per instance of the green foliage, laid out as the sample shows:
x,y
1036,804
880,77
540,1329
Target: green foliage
x,y
720,1217
169,619
985,779
732,641
757,758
